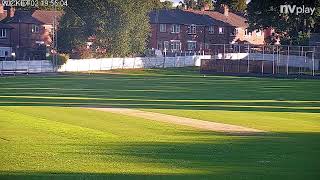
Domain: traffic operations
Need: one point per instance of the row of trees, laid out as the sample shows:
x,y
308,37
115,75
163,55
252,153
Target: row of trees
x,y
117,28
235,5
292,29
121,27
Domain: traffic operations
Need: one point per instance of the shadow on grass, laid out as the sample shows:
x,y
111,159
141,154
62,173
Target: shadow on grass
x,y
275,156
163,89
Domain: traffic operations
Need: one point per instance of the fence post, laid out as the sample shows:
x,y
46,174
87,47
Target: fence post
x,y
1,67
77,65
288,60
100,64
15,69
29,67
111,63
224,56
134,62
248,63
65,66
164,58
239,61
273,60
313,63
41,66
89,66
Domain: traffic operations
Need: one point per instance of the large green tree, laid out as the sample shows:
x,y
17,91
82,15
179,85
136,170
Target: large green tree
x,y
292,28
121,27
157,4
196,4
235,5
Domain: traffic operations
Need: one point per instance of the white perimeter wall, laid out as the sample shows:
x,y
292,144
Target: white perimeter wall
x,y
37,66
74,65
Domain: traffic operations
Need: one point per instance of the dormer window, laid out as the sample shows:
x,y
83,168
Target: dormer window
x,y
221,30
35,28
3,33
192,29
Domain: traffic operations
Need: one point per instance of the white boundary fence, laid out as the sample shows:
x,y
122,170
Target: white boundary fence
x,y
21,66
77,65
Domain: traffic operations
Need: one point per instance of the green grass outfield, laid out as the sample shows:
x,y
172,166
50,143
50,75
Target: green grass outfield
x,y
44,135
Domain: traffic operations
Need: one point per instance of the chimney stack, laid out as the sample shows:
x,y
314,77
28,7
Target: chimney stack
x,y
10,11
1,9
224,10
205,7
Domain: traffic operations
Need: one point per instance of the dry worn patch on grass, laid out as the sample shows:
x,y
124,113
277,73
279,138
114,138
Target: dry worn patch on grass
x,y
195,123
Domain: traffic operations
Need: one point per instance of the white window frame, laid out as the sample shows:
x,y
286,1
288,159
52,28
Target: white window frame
x,y
235,32
35,28
159,45
211,30
247,33
175,45
163,28
194,46
192,29
221,30
166,45
206,46
3,33
258,32
175,28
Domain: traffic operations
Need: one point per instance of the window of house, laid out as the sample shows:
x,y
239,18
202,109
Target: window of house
x,y
206,46
159,45
211,29
175,45
221,30
175,28
163,28
259,32
234,32
192,45
3,33
35,28
192,29
247,33
166,45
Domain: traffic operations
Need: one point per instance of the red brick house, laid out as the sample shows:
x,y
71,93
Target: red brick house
x,y
26,35
5,41
30,31
192,30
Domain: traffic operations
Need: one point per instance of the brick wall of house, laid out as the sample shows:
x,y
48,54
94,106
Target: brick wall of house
x,y
5,41
23,36
202,37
